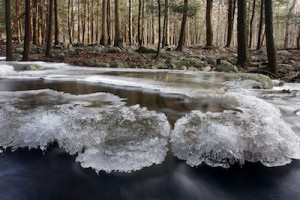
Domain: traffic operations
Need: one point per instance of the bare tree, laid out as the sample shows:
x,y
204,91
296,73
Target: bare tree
x,y
104,37
269,36
243,51
209,32
118,40
27,38
9,54
183,25
50,24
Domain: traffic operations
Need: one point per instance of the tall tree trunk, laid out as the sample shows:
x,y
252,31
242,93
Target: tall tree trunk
x,y
56,22
183,25
118,41
165,39
35,22
298,38
92,22
261,24
130,22
27,31
251,23
78,22
209,32
287,23
19,26
139,23
70,23
230,21
9,54
269,36
84,21
243,51
159,28
50,28
109,32
104,36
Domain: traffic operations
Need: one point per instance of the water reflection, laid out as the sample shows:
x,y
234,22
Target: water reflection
x,y
31,176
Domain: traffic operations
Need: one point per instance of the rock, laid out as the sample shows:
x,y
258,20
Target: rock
x,y
58,47
296,67
206,69
113,49
211,60
277,83
170,48
24,67
283,53
227,67
20,50
265,81
17,56
103,65
144,49
117,65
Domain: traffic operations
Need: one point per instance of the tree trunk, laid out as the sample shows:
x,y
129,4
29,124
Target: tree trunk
x,y
70,23
78,22
130,22
104,36
109,42
35,22
209,32
269,36
251,23
287,23
183,25
50,24
261,24
165,39
230,21
56,22
9,54
159,28
118,40
243,51
139,23
19,26
298,38
27,31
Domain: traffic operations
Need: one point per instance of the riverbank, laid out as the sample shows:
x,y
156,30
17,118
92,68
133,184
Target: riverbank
x,y
195,58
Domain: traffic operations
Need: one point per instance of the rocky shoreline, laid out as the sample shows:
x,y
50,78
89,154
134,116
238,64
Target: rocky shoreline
x,y
195,58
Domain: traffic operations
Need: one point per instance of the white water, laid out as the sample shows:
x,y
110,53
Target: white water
x,y
110,136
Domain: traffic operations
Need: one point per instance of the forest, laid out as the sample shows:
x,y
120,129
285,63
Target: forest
x,y
245,26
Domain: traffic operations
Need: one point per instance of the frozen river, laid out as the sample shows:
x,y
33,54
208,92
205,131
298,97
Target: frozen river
x,y
148,135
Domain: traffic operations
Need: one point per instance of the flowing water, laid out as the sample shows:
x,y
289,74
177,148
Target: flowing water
x,y
138,134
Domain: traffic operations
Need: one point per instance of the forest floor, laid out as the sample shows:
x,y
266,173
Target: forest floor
x,y
196,58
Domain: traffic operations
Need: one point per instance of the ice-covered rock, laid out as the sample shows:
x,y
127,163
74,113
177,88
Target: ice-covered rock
x,y
256,134
106,134
6,70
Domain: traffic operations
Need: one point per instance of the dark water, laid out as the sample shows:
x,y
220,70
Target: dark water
x,y
53,175
31,175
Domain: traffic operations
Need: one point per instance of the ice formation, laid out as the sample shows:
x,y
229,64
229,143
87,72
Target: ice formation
x,y
6,70
106,134
256,133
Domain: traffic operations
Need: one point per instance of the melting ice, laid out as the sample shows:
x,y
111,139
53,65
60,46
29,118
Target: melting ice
x,y
256,133
106,134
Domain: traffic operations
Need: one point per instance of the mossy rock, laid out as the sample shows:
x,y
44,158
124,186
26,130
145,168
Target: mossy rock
x,y
265,81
